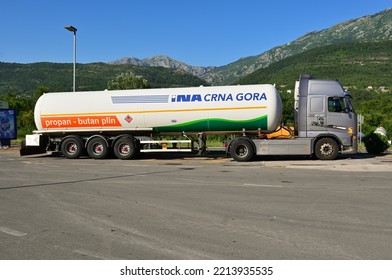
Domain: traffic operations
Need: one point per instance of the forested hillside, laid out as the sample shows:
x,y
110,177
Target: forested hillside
x,y
24,78
357,65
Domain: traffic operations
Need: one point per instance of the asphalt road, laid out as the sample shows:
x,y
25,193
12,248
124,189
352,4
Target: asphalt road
x,y
160,207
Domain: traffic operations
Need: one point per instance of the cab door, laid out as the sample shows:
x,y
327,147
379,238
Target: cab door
x,y
317,116
339,117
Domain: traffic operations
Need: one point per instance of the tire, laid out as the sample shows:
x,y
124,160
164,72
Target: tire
x,y
72,147
97,148
125,148
241,150
326,149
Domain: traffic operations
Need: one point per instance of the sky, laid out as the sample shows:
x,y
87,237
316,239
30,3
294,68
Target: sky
x,y
197,32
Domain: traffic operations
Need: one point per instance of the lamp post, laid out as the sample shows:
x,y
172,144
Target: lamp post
x,y
73,29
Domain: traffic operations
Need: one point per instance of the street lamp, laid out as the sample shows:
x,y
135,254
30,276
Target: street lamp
x,y
73,29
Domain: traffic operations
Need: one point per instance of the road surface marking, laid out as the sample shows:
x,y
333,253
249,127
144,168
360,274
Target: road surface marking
x,y
265,186
89,253
12,232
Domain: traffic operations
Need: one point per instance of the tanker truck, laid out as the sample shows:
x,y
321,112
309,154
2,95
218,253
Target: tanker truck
x,y
128,122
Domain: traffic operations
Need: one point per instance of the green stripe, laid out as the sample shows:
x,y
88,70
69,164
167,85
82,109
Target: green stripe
x,y
216,124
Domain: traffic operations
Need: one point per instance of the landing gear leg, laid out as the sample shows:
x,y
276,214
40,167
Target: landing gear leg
x,y
202,139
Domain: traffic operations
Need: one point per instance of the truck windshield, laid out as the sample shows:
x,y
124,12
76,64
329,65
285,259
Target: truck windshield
x,y
347,101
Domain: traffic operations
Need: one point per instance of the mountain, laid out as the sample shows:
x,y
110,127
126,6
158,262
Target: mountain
x,y
375,27
25,78
360,66
164,61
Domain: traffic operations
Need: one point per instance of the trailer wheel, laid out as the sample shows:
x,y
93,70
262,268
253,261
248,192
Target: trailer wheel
x,y
241,150
97,148
125,148
72,147
326,149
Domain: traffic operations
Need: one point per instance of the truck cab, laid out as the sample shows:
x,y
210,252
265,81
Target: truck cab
x,y
325,124
322,108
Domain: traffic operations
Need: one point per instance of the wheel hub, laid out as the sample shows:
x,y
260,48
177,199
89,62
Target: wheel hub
x,y
98,149
72,148
241,151
326,149
125,149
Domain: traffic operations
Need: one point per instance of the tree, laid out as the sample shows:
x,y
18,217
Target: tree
x,y
127,81
40,90
377,111
24,106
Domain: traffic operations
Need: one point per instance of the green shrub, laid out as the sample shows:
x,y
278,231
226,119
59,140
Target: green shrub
x,y
375,143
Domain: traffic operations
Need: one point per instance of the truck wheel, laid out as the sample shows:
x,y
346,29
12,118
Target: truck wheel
x,y
326,149
241,150
124,148
72,147
97,148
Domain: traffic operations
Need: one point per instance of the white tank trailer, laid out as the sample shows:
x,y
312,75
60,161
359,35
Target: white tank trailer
x,y
126,121
203,109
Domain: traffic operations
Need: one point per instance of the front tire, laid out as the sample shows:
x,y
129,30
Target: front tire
x,y
241,150
326,149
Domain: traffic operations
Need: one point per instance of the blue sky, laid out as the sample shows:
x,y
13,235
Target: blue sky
x,y
202,32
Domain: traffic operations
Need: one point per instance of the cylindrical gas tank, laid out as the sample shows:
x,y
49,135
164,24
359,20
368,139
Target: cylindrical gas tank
x,y
198,109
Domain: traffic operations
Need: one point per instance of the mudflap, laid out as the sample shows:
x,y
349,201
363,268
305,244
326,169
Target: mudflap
x,y
37,148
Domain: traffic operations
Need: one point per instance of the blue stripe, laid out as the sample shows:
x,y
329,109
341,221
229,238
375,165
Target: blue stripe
x,y
140,99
